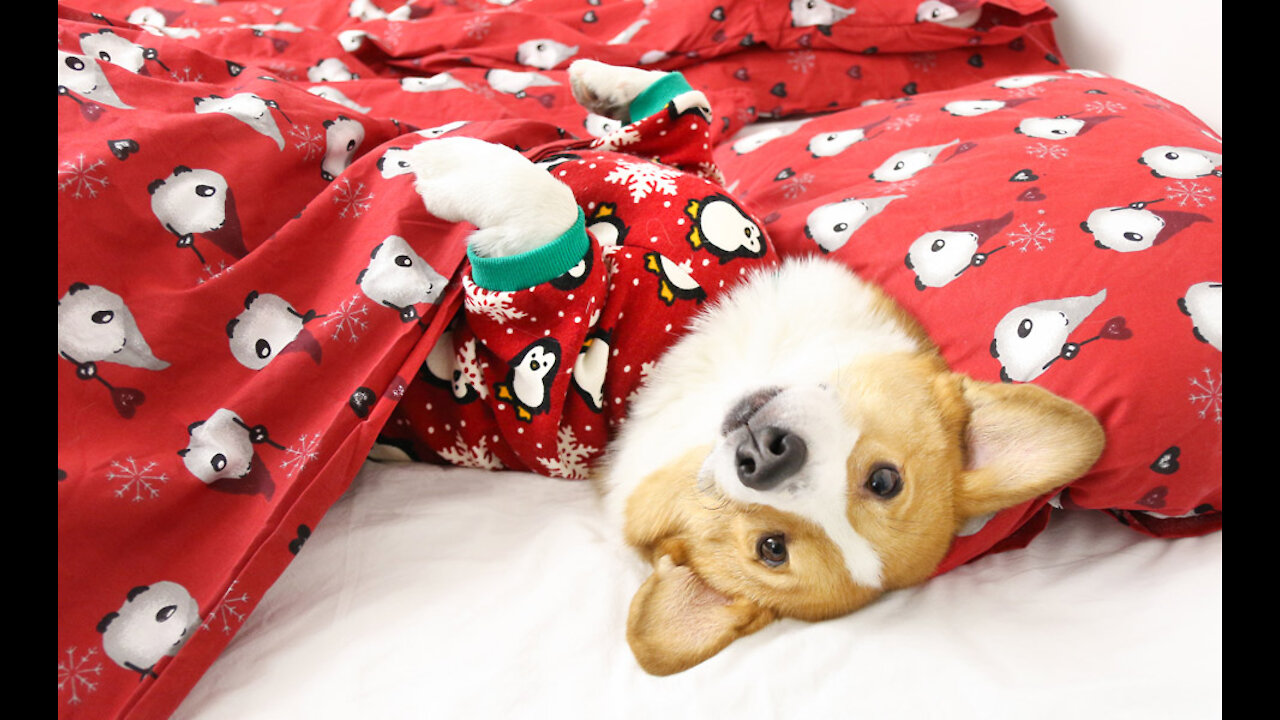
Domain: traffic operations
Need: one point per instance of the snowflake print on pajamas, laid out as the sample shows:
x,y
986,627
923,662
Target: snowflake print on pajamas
x,y
477,28
1042,150
801,61
465,455
1189,192
228,609
796,185
143,481
76,674
185,75
623,136
81,178
309,141
572,459
1027,237
213,272
300,454
354,200
348,319
924,61
471,369
493,304
1103,107
902,123
642,178
1206,395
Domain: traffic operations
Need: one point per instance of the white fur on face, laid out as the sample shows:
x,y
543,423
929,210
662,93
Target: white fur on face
x,y
819,491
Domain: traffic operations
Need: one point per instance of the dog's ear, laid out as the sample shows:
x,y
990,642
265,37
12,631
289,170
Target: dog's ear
x,y
677,620
1023,441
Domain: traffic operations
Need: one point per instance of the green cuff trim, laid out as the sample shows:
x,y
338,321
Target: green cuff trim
x,y
656,96
518,272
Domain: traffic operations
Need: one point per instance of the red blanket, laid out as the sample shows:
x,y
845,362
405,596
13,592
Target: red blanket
x,y
223,372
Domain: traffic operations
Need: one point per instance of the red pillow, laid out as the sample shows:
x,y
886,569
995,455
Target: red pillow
x,y
994,211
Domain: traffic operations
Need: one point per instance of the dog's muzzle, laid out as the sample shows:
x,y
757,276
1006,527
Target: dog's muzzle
x,y
764,454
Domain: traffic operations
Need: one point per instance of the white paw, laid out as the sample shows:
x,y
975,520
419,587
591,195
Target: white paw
x,y
608,89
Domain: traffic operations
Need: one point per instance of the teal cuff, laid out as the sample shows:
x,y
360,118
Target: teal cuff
x,y
517,272
656,96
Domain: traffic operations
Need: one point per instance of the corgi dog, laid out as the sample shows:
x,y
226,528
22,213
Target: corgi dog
x,y
801,449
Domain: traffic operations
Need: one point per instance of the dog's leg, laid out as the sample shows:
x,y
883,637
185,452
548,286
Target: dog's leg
x,y
516,205
609,90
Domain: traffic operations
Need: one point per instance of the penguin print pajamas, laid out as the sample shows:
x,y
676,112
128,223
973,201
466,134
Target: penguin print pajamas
x,y
535,373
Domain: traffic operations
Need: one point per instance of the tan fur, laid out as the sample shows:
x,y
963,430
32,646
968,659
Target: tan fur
x,y
964,448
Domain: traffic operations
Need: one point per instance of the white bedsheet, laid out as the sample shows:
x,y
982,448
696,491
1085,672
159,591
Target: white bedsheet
x,y
450,593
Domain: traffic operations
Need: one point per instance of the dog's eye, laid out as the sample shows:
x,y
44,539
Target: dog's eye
x,y
772,550
884,481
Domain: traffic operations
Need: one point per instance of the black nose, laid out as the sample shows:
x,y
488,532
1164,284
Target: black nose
x,y
768,457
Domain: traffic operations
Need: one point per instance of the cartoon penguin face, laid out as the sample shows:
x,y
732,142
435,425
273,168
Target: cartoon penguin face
x,y
1183,163
807,13
155,620
1029,338
342,138
906,163
190,201
939,257
330,70
1203,304
265,328
1128,228
544,54
1054,128
528,385
834,143
110,47
95,325
438,130
832,224
218,448
395,162
942,13
247,108
972,108
82,75
723,228
399,278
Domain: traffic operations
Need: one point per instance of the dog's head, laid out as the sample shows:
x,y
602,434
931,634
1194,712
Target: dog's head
x,y
815,500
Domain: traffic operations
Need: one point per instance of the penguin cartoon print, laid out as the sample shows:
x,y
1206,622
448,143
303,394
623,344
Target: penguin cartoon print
x,y
330,70
956,14
398,278
249,109
675,280
906,163
1181,163
1203,304
81,79
94,326
154,622
590,369
528,384
220,453
191,202
544,54
831,225
1031,337
978,108
940,256
821,14
342,138
723,229
827,144
518,83
1060,127
269,327
109,47
1133,228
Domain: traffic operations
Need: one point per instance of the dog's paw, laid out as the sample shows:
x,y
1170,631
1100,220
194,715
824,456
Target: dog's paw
x,y
608,90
